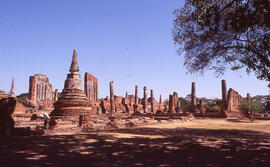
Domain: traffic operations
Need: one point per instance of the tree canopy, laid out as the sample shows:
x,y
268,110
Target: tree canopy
x,y
220,34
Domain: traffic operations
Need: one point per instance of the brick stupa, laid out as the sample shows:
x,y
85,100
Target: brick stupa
x,y
73,100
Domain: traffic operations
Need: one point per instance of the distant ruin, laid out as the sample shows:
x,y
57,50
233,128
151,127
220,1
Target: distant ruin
x,y
85,108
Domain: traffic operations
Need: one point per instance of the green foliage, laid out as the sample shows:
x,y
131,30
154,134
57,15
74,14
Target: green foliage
x,y
213,105
220,34
267,107
252,106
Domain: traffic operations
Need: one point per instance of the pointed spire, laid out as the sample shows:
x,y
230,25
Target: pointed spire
x,y
12,92
74,67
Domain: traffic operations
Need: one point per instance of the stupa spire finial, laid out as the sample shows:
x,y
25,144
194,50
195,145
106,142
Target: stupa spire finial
x,y
12,92
74,67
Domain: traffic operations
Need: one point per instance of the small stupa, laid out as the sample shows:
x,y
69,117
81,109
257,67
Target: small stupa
x,y
73,100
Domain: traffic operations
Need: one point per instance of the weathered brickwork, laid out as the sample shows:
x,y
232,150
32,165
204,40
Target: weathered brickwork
x,y
234,100
40,89
91,87
73,100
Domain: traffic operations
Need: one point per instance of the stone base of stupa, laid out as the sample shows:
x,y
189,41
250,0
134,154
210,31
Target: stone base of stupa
x,y
72,103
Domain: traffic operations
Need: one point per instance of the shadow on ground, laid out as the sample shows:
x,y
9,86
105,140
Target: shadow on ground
x,y
140,147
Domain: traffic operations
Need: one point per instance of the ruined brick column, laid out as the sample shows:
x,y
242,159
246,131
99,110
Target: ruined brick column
x,y
126,95
145,99
112,104
248,97
171,104
193,95
175,98
136,99
224,94
32,88
160,99
152,102
56,95
12,92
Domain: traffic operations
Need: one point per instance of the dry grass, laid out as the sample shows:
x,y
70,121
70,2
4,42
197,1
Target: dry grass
x,y
202,142
218,124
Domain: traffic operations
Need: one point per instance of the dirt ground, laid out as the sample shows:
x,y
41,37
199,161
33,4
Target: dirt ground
x,y
202,142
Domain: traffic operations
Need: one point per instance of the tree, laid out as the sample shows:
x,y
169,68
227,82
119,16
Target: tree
x,y
220,34
252,106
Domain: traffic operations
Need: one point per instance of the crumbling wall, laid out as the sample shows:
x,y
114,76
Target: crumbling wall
x,y
40,91
91,87
234,100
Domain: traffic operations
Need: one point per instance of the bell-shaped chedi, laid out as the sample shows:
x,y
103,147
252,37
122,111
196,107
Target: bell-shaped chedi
x,y
73,100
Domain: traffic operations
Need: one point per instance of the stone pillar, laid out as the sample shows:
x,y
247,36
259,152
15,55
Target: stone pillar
x,y
126,95
193,95
160,99
152,102
175,98
145,99
248,97
136,95
171,104
32,89
136,99
56,95
112,105
230,99
224,94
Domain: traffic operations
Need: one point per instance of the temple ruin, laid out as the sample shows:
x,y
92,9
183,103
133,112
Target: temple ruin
x,y
84,106
40,89
73,100
91,87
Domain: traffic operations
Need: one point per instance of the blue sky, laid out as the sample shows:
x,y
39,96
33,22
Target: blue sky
x,y
127,41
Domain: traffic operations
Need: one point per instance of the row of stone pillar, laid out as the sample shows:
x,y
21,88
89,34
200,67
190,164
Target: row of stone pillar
x,y
144,102
174,101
